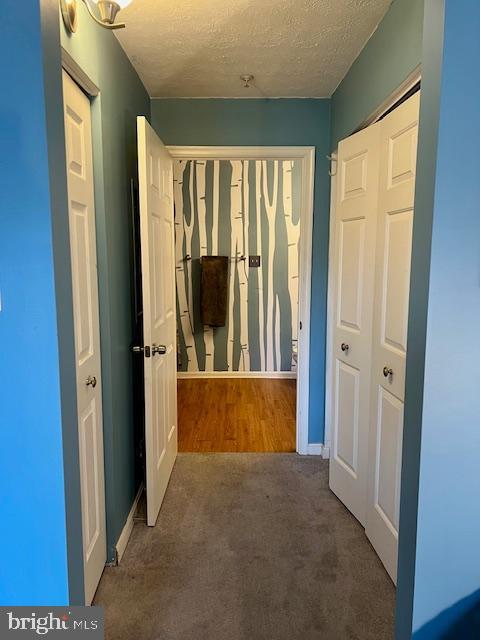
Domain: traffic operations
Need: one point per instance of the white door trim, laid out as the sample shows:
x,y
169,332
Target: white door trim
x,y
387,104
307,156
81,218
330,307
410,81
76,72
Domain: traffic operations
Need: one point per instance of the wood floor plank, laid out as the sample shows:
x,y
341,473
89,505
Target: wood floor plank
x,y
239,415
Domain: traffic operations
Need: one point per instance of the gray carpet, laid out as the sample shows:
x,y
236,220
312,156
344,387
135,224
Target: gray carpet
x,y
249,546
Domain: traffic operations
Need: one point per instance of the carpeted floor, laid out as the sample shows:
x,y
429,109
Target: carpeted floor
x,y
249,547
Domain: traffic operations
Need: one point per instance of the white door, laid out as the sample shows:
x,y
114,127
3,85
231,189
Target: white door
x,y
155,170
354,264
81,214
394,241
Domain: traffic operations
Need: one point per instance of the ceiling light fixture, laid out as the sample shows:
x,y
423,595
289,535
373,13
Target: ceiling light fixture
x,y
107,10
247,78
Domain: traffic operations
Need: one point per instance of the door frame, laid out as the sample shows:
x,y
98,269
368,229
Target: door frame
x,y
396,95
74,533
91,92
307,157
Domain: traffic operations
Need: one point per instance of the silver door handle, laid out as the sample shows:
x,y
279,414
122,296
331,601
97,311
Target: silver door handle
x,y
91,381
161,349
387,372
344,346
136,349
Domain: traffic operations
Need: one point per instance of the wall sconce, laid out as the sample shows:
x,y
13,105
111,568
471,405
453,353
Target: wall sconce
x,y
107,10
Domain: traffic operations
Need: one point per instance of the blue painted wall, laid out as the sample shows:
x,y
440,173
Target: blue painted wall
x,y
39,479
33,569
422,235
447,558
461,621
391,54
439,562
283,122
439,571
122,98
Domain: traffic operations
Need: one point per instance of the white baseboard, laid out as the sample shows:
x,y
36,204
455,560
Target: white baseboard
x,y
127,529
182,375
316,449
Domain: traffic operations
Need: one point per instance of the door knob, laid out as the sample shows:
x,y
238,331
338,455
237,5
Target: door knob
x,y
344,346
91,381
161,349
137,349
387,372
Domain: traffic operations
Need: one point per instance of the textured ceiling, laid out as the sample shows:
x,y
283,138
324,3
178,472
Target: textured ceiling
x,y
199,48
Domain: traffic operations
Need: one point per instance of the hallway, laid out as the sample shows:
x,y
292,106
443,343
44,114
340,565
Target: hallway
x,y
249,546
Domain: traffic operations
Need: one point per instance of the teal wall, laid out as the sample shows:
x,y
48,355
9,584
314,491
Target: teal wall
x,y
122,98
252,339
391,54
263,122
439,563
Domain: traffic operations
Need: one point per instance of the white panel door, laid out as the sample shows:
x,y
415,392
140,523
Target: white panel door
x,y
155,170
354,263
392,286
81,213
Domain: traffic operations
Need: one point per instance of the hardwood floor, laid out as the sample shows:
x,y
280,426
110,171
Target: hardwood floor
x,y
236,414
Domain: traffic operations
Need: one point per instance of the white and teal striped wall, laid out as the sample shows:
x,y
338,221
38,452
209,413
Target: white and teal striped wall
x,y
239,208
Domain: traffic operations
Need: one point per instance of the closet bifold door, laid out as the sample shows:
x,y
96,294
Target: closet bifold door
x,y
392,286
354,264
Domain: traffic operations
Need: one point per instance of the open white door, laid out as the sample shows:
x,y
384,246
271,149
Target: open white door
x,y
81,216
354,264
155,173
394,243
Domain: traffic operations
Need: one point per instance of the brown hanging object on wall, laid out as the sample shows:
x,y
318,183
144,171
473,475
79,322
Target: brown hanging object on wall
x,y
214,290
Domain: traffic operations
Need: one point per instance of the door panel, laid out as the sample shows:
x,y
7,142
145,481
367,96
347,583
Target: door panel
x,y
398,249
402,154
389,457
161,401
394,233
89,458
354,263
354,175
81,212
346,445
351,267
155,170
80,235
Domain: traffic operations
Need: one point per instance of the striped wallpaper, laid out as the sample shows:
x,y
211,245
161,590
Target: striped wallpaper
x,y
239,208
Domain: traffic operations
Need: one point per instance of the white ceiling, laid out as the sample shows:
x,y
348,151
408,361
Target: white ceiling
x,y
199,48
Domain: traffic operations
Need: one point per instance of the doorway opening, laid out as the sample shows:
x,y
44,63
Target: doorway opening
x,y
242,254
